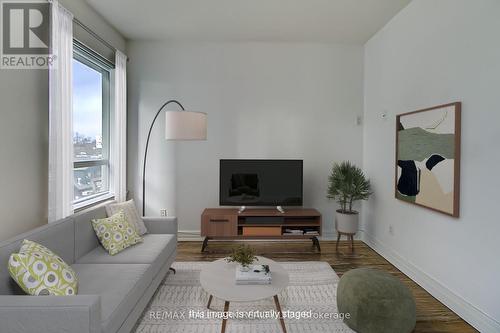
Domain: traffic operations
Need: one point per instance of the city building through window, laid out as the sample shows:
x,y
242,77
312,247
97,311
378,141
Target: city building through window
x,y
91,127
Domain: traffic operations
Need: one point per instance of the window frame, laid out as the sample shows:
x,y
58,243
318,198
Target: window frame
x,y
88,57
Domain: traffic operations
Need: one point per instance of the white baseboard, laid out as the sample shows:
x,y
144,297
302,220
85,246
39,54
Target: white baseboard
x,y
471,314
327,237
189,236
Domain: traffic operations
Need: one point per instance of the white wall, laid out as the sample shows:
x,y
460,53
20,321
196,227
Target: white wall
x,y
88,16
435,52
23,150
24,136
264,100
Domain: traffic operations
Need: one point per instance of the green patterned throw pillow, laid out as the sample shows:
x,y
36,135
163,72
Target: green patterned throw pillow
x,y
39,271
115,233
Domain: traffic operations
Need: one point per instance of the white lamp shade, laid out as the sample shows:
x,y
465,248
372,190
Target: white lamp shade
x,y
185,125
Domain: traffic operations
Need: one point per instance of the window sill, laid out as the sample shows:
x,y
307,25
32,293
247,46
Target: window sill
x,y
77,207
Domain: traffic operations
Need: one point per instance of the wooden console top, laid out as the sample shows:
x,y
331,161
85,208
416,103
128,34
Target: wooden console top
x,y
295,212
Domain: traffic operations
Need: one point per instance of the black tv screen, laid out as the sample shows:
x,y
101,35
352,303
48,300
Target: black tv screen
x,y
260,183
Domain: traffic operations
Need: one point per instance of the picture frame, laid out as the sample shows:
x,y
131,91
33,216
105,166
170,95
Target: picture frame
x,y
427,164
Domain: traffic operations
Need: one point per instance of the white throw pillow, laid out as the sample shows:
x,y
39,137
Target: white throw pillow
x,y
133,217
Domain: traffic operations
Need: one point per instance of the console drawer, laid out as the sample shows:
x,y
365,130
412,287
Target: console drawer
x,y
219,225
261,231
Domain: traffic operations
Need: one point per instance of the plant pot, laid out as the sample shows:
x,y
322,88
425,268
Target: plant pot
x,y
347,223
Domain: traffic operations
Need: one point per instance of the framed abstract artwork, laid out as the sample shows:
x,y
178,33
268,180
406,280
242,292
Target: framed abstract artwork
x,y
428,158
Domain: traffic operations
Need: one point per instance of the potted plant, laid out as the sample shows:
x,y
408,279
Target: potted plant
x,y
243,255
347,184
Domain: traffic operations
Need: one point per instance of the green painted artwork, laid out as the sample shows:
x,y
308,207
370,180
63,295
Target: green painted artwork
x,y
427,158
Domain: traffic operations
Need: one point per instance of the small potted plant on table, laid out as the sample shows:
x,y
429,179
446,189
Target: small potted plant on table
x,y
244,255
347,184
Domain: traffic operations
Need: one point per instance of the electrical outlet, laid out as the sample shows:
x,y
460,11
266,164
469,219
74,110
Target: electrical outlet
x,y
359,120
163,212
391,230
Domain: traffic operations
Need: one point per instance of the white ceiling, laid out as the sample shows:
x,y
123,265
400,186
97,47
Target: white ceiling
x,y
340,21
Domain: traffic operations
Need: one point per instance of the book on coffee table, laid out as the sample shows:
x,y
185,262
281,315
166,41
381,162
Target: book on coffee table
x,y
257,274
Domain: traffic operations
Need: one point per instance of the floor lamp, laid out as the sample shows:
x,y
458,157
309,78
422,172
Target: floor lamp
x,y
179,125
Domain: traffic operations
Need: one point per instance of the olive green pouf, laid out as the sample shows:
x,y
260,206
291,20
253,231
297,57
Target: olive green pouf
x,y
376,302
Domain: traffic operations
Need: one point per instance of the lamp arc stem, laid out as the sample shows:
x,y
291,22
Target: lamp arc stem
x,y
146,152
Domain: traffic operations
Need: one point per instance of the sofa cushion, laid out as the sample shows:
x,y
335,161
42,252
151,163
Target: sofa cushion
x,y
155,249
131,213
39,271
85,237
119,285
58,236
115,233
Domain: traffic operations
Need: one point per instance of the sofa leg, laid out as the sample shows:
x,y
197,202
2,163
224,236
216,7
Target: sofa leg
x,y
172,269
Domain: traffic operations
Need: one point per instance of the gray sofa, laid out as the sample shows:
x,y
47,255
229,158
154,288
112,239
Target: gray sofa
x,y
113,290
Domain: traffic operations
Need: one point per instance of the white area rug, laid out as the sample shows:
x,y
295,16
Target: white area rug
x,y
312,290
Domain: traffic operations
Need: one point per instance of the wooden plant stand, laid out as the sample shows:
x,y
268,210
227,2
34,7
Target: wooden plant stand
x,y
350,237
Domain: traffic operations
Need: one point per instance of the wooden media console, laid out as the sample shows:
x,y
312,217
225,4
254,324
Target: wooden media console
x,y
228,223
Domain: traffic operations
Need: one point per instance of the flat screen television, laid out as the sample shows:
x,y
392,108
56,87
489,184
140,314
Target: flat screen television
x,y
260,182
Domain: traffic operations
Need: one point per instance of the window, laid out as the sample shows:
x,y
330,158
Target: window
x,y
91,119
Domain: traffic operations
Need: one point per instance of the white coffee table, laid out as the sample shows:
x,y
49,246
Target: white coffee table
x,y
218,279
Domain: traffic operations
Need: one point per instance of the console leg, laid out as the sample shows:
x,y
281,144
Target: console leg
x,y
209,302
172,269
204,245
315,241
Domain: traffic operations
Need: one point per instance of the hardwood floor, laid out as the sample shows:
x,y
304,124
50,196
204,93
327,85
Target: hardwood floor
x,y
432,316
